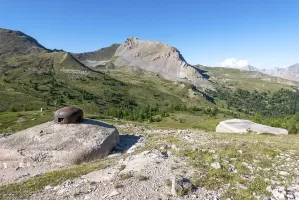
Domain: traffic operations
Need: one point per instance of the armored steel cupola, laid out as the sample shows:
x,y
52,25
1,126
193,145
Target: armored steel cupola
x,y
68,115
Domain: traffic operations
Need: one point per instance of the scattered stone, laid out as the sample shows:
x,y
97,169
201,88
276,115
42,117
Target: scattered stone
x,y
48,187
212,151
278,194
180,186
216,165
175,147
157,164
232,168
283,173
114,193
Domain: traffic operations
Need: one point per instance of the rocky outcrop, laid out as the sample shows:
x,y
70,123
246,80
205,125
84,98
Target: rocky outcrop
x,y
246,126
160,58
51,145
18,43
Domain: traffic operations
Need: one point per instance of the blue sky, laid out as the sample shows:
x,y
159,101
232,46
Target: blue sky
x,y
263,32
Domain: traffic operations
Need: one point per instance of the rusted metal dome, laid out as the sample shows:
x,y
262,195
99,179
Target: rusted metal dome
x,y
68,115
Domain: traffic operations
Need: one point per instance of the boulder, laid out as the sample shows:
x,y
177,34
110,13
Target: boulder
x,y
246,126
52,145
216,165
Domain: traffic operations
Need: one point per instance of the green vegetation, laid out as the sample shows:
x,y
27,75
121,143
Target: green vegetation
x,y
247,80
141,177
117,185
122,167
185,120
168,182
246,160
240,156
121,93
125,176
52,80
279,108
271,104
15,121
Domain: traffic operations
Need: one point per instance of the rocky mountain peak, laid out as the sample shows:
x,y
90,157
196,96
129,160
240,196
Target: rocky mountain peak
x,y
159,58
131,39
153,56
155,50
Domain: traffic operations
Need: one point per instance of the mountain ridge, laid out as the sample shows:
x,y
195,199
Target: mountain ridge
x,y
18,43
153,56
98,57
30,80
167,66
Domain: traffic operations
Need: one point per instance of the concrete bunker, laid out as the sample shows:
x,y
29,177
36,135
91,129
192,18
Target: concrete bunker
x,y
68,115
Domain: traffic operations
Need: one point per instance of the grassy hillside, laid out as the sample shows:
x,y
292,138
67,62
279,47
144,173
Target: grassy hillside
x,y
18,43
52,80
56,79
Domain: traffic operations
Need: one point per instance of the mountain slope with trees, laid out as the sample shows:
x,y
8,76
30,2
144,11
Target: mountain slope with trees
x,y
30,80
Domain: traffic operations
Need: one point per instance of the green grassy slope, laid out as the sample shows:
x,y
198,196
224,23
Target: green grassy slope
x,y
52,80
55,79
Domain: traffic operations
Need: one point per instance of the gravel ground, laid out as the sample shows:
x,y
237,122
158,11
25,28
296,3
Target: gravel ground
x,y
148,166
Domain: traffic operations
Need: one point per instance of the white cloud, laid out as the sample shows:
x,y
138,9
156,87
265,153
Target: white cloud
x,y
233,63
